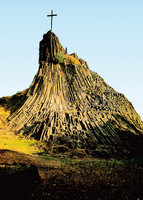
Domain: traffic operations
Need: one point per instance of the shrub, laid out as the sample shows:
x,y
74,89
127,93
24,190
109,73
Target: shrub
x,y
59,57
72,60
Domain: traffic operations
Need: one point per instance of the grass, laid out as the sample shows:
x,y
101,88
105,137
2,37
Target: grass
x,y
64,178
12,142
15,143
93,179
95,163
3,115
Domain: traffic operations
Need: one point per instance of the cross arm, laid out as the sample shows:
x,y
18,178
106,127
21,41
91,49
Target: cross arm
x,y
51,15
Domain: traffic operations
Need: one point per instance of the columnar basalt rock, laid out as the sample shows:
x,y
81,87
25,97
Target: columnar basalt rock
x,y
49,47
68,104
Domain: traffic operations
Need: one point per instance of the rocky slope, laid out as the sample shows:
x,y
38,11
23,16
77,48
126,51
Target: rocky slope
x,y
71,107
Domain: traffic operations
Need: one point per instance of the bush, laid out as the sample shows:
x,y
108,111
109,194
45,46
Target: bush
x,y
59,57
72,60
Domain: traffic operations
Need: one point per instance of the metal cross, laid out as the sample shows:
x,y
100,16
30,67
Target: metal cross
x,y
52,15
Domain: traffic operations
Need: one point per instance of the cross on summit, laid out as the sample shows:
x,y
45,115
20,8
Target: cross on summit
x,y
52,15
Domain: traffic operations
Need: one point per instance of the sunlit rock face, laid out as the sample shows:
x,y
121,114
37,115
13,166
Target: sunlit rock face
x,y
69,105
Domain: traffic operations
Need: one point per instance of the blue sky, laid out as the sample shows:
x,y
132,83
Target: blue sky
x,y
107,34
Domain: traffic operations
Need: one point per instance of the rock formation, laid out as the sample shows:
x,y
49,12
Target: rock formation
x,y
69,105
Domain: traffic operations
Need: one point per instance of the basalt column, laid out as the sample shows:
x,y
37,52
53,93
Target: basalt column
x,y
68,104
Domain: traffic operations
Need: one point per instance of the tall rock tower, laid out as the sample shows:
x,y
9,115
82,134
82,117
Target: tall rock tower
x,y
69,105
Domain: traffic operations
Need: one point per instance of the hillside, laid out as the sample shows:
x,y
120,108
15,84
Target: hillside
x,y
68,107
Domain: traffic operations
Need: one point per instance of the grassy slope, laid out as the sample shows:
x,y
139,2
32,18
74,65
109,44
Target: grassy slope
x,y
11,142
15,143
3,115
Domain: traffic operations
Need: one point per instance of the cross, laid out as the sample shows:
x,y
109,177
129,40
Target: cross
x,y
52,15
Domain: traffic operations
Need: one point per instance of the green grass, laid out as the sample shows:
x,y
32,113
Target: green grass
x,y
92,164
104,179
15,143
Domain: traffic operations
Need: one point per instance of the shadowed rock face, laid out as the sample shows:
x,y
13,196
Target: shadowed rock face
x,y
49,47
68,104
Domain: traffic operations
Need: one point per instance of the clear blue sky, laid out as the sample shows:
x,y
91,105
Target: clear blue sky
x,y
107,34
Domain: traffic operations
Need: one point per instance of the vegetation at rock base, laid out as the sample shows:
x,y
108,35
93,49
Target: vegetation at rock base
x,y
79,177
62,177
16,143
92,179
